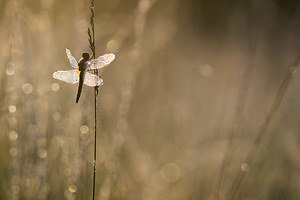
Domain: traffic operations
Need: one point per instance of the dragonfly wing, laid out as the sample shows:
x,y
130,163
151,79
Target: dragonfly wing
x,y
70,76
72,60
92,80
101,61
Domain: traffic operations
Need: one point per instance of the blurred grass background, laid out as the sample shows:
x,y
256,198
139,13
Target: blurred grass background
x,y
181,104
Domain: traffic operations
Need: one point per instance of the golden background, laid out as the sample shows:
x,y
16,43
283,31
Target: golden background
x,y
189,109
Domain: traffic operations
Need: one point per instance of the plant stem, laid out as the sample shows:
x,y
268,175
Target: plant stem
x,y
91,35
264,126
95,143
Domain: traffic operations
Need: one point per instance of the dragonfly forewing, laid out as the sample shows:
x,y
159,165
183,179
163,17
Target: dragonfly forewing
x,y
100,62
72,60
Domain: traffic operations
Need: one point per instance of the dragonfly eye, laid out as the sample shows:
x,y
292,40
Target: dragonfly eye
x,y
86,56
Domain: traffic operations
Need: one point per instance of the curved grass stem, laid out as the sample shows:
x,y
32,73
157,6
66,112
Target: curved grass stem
x,y
264,126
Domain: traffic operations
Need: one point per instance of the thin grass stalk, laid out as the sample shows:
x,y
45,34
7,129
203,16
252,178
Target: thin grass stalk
x,y
240,108
91,34
264,126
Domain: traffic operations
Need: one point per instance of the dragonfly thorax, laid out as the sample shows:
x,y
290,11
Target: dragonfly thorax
x,y
82,62
86,56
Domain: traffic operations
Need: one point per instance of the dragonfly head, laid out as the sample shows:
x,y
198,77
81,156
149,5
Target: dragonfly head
x,y
86,56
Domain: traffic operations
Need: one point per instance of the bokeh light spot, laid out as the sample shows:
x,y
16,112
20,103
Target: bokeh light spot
x,y
10,69
42,153
27,88
13,135
170,172
13,151
12,108
72,188
84,129
245,167
55,87
112,45
206,70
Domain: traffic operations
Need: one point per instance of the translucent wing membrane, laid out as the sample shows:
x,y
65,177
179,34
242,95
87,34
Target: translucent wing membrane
x,y
70,76
101,61
72,60
92,80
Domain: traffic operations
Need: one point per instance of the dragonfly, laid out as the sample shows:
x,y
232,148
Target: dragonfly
x,y
82,70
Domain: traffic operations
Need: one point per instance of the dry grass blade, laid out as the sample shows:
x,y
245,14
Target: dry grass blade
x,y
264,126
239,109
